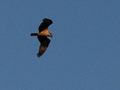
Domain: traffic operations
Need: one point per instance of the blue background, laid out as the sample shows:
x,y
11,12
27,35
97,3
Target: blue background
x,y
84,53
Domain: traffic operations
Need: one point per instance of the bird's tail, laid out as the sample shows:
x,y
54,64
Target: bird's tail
x,y
33,34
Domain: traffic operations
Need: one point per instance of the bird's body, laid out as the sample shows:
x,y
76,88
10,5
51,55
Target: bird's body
x,y
42,35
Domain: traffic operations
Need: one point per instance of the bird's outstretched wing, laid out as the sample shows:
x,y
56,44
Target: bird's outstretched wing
x,y
44,45
45,24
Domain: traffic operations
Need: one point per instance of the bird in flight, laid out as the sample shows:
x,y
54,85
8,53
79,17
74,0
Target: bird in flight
x,y
42,35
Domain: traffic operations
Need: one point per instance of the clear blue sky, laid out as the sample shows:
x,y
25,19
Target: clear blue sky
x,y
84,53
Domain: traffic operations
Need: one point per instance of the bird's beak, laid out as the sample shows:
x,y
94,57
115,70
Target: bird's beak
x,y
51,35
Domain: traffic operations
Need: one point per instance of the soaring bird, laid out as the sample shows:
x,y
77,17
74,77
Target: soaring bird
x,y
42,35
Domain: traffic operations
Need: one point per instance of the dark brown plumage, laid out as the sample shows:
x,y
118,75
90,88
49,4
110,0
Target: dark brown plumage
x,y
42,36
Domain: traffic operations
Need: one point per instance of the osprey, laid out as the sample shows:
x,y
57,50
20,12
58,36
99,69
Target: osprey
x,y
42,35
